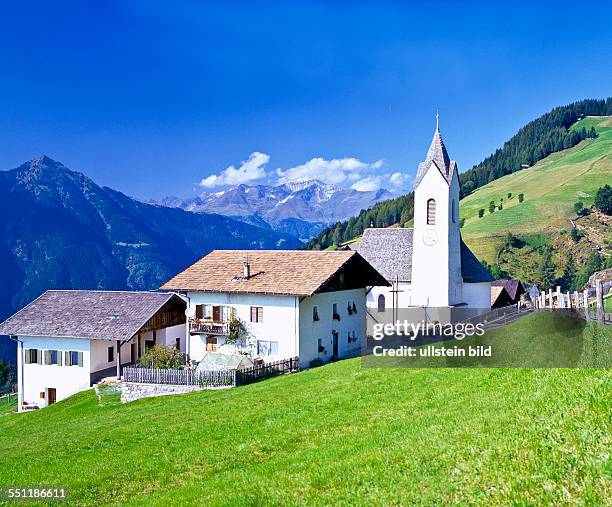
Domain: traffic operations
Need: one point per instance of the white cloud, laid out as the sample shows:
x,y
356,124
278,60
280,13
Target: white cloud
x,y
335,171
368,184
250,170
349,172
398,181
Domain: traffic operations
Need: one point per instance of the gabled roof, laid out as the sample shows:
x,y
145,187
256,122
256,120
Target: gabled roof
x,y
390,252
513,287
92,314
278,272
438,156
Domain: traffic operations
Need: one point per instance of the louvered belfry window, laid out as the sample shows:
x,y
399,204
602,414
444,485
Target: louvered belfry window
x,y
431,212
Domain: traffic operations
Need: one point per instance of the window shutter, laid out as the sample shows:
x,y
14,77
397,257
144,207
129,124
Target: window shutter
x,y
67,361
28,358
39,357
253,314
47,356
199,312
59,357
260,314
80,355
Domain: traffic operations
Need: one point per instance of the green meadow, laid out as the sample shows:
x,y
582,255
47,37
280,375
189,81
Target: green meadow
x,y
551,187
340,434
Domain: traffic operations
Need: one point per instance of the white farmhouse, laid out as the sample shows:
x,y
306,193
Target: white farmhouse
x,y
68,340
305,304
429,265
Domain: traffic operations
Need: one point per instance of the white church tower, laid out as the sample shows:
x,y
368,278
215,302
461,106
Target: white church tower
x,y
436,257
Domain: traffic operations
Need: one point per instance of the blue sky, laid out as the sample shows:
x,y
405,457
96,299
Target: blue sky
x,y
151,98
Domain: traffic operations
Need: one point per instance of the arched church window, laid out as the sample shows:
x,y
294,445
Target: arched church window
x,y
454,212
381,302
431,212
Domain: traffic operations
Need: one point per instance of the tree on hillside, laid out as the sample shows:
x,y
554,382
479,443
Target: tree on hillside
x,y
575,235
481,212
509,195
521,197
491,206
603,199
578,207
567,279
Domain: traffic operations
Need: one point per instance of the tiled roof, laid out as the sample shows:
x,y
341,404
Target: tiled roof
x,y
282,272
511,286
437,155
100,315
390,252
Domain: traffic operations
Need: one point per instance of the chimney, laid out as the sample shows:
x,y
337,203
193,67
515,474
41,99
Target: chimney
x,y
246,270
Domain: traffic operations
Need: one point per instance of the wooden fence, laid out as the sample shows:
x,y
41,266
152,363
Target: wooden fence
x,y
179,377
209,378
266,370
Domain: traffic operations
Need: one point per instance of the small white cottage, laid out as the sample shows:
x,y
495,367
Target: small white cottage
x,y
67,340
429,265
306,304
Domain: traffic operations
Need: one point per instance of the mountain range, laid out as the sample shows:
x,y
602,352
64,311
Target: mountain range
x,y
58,229
300,208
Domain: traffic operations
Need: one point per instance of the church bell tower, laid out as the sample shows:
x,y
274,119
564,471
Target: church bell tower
x,y
436,249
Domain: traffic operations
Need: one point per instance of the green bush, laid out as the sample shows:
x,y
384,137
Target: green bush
x,y
163,357
316,362
521,197
481,212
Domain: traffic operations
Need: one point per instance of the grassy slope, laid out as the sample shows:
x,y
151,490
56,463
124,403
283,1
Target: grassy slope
x,y
336,434
551,188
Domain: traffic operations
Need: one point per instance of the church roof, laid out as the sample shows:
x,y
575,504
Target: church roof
x,y
437,155
389,251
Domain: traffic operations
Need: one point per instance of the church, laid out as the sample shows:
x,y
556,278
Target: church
x,y
429,265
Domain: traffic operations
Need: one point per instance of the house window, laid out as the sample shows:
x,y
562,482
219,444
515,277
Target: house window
x,y
32,356
111,354
381,302
352,308
73,358
320,346
431,212
256,313
335,314
148,344
267,348
315,313
51,357
178,344
199,313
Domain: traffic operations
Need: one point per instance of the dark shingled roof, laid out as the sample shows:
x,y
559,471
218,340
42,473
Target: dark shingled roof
x,y
99,315
390,252
437,155
513,287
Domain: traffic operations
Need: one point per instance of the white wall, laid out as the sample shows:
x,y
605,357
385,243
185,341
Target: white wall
x,y
436,268
67,380
311,331
477,295
280,321
404,297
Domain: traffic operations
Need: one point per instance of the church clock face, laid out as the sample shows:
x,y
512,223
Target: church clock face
x,y
430,237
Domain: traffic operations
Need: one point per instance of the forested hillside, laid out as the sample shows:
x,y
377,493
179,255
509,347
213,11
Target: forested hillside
x,y
539,138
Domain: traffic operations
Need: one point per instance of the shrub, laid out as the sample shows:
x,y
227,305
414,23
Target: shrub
x,y
481,212
521,197
509,195
578,207
603,199
316,362
575,235
491,206
160,356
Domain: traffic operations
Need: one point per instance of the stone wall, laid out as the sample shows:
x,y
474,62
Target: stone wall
x,y
131,391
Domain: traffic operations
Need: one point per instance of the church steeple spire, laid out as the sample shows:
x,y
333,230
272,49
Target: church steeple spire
x,y
438,155
437,121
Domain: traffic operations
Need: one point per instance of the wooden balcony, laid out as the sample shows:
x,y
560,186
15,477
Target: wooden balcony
x,y
209,327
